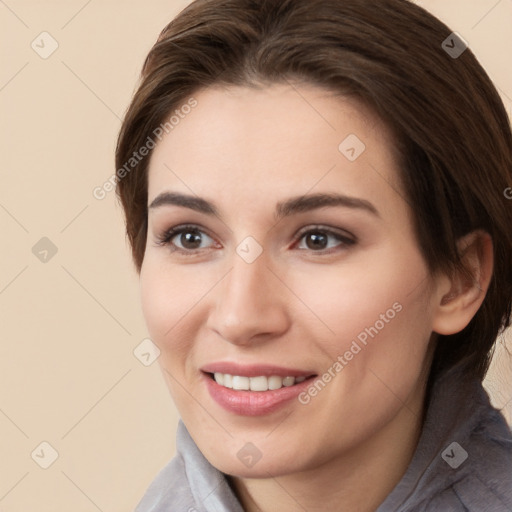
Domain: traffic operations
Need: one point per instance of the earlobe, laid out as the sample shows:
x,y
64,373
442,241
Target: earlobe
x,y
460,296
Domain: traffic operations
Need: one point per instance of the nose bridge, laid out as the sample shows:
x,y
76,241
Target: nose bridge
x,y
249,302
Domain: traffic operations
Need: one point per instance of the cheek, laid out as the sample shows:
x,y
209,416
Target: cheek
x,y
364,298
374,328
154,294
166,297
384,329
169,300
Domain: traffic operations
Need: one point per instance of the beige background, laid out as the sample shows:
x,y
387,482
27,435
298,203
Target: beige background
x,y
69,326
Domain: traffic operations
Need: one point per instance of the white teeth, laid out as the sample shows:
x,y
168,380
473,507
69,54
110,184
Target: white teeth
x,y
275,382
227,381
240,383
288,381
260,383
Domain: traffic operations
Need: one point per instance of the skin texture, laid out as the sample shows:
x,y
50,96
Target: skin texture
x,y
297,305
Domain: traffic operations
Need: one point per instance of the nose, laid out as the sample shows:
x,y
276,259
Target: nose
x,y
250,304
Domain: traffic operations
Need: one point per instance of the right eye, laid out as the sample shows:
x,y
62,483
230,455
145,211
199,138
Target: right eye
x,y
184,238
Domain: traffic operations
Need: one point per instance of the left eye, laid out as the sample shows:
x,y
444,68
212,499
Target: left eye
x,y
318,239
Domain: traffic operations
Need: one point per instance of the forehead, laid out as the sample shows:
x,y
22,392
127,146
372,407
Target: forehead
x,y
276,139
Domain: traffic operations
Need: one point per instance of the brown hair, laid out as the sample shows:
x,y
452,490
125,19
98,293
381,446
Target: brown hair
x,y
452,131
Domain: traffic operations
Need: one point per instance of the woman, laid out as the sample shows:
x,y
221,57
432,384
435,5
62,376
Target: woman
x,y
315,199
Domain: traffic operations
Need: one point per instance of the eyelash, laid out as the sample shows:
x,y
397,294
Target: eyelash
x,y
167,236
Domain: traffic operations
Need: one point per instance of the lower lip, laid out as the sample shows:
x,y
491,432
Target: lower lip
x,y
253,403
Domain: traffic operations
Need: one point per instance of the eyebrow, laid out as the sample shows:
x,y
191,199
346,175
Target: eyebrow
x,y
286,208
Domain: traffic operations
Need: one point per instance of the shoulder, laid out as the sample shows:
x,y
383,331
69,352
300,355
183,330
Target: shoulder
x,y
471,494
489,484
483,481
463,461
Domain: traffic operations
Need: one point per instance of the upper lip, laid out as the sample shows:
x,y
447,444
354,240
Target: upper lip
x,y
254,370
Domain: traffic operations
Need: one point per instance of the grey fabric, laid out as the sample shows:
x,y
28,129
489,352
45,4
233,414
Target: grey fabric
x,y
189,483
459,411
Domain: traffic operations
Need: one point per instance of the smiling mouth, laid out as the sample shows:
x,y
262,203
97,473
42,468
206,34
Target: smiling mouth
x,y
259,383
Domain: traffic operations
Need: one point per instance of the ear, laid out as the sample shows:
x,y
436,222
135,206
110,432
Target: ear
x,y
459,297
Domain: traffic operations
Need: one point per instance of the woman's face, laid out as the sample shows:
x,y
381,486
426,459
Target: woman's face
x,y
293,266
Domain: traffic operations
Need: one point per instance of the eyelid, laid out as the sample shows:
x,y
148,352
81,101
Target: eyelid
x,y
341,233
